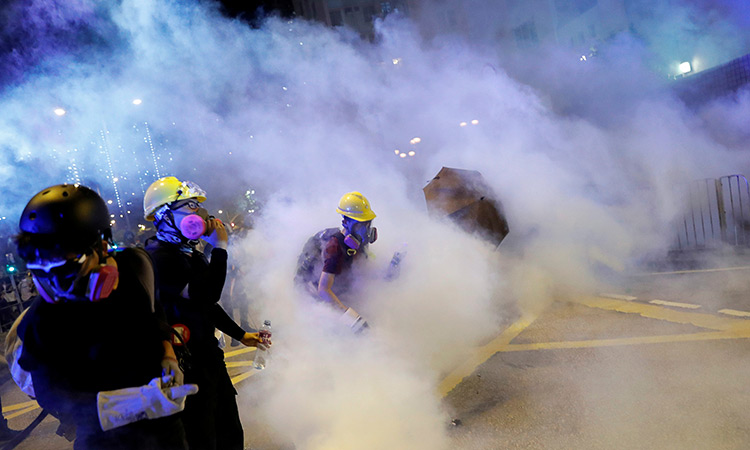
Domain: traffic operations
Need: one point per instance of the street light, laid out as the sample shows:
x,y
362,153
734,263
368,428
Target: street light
x,y
685,67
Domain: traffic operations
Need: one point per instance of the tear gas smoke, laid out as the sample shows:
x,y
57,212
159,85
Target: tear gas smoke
x,y
584,158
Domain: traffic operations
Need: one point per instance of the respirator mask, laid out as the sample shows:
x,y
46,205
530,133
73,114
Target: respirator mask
x,y
358,234
62,279
194,224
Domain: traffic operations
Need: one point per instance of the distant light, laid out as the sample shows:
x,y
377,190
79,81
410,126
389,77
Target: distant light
x,y
412,153
474,122
115,179
403,155
582,58
397,151
221,212
137,101
685,67
396,60
231,224
415,140
462,124
109,202
283,87
60,111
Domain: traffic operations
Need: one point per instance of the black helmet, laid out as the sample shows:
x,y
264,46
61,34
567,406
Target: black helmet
x,y
71,216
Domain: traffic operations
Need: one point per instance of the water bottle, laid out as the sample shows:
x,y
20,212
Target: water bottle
x,y
394,268
260,354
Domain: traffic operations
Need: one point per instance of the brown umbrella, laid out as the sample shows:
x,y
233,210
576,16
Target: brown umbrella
x,y
464,197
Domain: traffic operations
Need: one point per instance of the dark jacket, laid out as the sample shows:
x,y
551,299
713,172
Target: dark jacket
x,y
74,350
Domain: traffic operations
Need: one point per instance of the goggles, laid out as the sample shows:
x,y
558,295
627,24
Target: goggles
x,y
191,204
60,269
189,189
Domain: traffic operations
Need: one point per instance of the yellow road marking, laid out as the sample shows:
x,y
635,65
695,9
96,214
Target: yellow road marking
x,y
726,328
676,304
236,379
482,354
239,352
239,364
22,412
18,406
687,337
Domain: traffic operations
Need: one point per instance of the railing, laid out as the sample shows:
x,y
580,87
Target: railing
x,y
717,214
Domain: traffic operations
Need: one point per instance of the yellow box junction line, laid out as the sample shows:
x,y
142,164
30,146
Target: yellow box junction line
x,y
724,328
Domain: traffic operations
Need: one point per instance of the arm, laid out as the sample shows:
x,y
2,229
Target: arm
x,y
326,293
226,325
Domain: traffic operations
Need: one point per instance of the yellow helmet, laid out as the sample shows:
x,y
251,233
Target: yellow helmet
x,y
355,206
167,190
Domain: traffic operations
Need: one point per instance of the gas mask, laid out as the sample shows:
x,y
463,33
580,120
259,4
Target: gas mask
x,y
190,221
194,225
358,234
61,280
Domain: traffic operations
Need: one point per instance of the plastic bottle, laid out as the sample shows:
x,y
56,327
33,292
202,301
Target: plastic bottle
x,y
261,355
394,268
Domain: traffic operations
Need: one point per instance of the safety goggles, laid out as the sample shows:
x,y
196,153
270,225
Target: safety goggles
x,y
57,268
189,189
191,204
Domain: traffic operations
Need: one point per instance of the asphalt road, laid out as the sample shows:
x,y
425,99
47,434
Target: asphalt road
x,y
655,367
658,363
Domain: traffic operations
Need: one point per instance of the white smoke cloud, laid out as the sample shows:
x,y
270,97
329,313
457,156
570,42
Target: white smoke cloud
x,y
586,159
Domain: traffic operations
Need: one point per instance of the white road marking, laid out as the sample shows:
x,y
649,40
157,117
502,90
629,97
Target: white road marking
x,y
619,297
734,312
676,304
677,272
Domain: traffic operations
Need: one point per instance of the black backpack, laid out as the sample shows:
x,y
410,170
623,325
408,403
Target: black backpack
x,y
310,261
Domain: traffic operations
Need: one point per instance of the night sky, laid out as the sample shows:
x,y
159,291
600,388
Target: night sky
x,y
248,9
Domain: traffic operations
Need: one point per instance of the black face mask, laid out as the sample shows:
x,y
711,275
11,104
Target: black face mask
x,y
64,282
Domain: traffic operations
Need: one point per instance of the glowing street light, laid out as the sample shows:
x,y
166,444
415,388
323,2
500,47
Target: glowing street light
x,y
137,101
416,140
474,122
685,67
60,111
412,153
397,151
403,155
462,124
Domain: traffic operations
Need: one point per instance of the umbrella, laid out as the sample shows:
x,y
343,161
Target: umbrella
x,y
464,197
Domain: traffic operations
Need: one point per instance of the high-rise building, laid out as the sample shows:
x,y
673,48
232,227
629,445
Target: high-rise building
x,y
355,14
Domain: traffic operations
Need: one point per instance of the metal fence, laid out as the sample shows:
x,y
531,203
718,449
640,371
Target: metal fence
x,y
717,214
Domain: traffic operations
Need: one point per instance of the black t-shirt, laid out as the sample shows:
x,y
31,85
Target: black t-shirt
x,y
73,350
199,312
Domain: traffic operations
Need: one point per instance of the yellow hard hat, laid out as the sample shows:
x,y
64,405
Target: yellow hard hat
x,y
355,206
167,190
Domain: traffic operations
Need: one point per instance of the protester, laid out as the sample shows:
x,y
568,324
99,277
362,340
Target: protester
x,y
92,341
190,288
325,266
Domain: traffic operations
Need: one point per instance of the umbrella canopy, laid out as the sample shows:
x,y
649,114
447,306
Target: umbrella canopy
x,y
464,197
